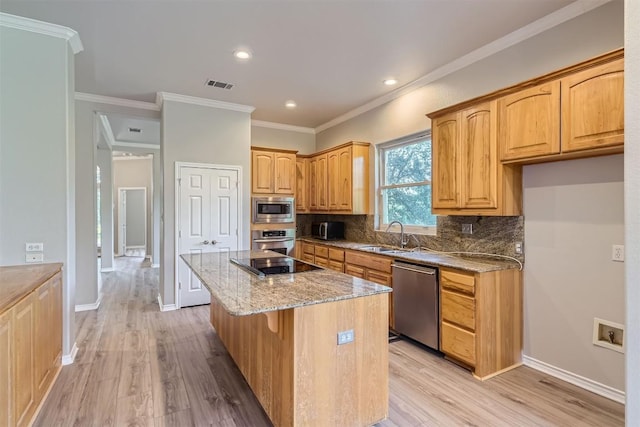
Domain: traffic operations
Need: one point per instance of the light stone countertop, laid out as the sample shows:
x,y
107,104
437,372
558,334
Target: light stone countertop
x,y
472,263
242,293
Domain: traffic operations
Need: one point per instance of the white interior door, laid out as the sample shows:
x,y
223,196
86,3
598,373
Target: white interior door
x,y
208,222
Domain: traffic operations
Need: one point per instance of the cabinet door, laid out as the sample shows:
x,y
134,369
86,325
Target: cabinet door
x,y
262,169
445,183
479,157
5,369
458,343
593,107
313,184
301,185
333,177
321,183
23,366
345,173
355,271
285,173
56,320
43,341
529,122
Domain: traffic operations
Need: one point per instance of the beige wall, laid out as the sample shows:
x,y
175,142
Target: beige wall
x,y
133,173
574,213
632,207
199,134
305,143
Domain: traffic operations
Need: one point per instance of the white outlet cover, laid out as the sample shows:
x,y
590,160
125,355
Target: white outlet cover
x,y
34,247
617,253
34,257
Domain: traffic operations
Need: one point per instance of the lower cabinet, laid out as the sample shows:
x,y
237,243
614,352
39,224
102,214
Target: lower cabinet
x,y
371,267
323,256
481,319
30,351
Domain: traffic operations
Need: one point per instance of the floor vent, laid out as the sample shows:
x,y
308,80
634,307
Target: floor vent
x,y
218,84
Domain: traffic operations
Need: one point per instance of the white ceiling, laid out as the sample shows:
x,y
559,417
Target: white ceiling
x,y
330,56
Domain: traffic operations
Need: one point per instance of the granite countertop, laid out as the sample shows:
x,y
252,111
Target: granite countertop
x,y
18,281
472,263
242,293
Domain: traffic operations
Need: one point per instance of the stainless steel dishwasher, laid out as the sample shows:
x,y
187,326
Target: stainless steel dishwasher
x,y
416,303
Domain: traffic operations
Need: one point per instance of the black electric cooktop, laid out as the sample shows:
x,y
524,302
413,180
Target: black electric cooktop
x,y
274,265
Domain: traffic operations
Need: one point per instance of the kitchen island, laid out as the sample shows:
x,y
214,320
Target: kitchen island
x,y
282,332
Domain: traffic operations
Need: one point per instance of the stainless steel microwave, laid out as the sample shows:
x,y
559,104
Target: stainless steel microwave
x,y
268,210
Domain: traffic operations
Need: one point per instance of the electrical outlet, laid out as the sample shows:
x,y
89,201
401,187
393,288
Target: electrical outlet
x,y
467,228
617,253
518,248
34,257
34,247
345,337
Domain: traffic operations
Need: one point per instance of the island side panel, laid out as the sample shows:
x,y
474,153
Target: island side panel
x,y
264,357
344,384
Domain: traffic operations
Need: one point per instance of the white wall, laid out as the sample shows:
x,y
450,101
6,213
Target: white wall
x,y
574,213
36,165
133,173
632,206
199,134
305,143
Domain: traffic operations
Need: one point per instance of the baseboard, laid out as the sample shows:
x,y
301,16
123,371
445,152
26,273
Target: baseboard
x,y
168,307
107,270
575,379
67,359
92,306
155,265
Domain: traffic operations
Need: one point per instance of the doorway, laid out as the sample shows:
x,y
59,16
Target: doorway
x,y
207,212
132,221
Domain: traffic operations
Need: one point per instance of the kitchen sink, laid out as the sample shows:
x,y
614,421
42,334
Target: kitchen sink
x,y
382,249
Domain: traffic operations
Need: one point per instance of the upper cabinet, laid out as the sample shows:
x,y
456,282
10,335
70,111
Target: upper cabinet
x,y
576,112
338,179
467,178
273,171
302,191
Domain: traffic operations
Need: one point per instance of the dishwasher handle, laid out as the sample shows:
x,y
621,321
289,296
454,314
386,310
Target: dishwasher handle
x,y
414,268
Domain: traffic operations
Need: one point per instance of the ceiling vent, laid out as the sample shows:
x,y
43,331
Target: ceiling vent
x,y
135,130
219,85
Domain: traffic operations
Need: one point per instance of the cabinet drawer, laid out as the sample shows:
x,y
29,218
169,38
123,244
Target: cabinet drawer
x,y
308,257
457,281
458,309
336,254
354,270
307,248
379,277
458,343
336,265
322,262
322,251
382,264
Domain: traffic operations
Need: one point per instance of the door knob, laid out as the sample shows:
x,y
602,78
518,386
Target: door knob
x,y
213,242
206,242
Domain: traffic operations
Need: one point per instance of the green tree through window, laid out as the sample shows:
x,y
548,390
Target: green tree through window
x,y
405,190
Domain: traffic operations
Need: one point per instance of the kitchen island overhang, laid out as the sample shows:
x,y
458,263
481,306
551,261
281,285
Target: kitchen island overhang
x,y
282,332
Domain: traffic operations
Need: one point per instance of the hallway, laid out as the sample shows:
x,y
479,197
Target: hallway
x,y
137,366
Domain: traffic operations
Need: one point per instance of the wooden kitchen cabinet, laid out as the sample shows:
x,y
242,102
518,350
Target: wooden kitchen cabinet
x,y
273,171
467,178
302,190
318,194
30,339
481,319
324,256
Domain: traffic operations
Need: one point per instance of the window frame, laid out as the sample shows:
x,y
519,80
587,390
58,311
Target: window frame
x,y
381,150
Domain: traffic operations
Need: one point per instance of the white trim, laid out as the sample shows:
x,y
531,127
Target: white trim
x,y
121,102
155,265
547,22
137,247
575,379
122,158
168,307
45,28
282,126
176,245
123,144
166,96
67,359
107,270
92,306
105,127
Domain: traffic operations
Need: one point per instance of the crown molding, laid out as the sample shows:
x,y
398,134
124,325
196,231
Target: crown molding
x,y
166,96
45,28
106,130
282,126
121,102
545,23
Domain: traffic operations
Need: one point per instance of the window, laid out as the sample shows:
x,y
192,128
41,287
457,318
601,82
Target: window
x,y
405,184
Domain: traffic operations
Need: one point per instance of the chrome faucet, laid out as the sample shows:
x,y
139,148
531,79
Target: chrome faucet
x,y
403,242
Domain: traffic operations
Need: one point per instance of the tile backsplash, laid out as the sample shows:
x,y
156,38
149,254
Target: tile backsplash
x,y
493,235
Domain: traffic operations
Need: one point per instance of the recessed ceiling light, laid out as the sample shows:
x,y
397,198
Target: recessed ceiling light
x,y
390,82
290,104
242,54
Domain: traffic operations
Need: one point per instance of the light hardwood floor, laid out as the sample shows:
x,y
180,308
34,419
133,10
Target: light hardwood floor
x,y
137,366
